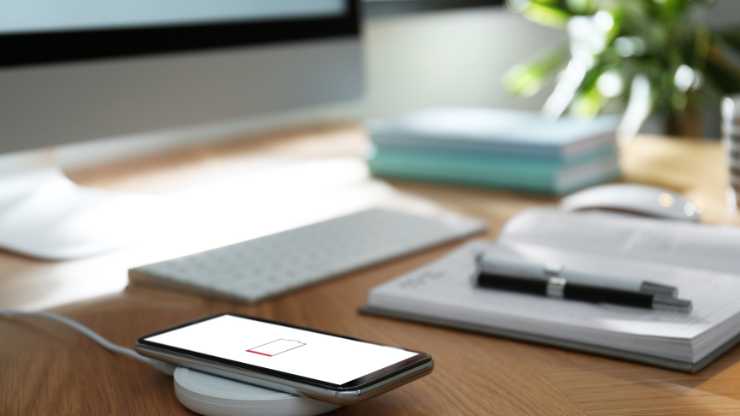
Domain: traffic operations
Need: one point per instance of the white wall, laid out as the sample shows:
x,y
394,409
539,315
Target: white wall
x,y
448,58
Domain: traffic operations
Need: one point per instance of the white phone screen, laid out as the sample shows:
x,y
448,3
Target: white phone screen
x,y
299,352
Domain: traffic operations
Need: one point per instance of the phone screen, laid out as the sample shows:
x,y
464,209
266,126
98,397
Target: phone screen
x,y
327,358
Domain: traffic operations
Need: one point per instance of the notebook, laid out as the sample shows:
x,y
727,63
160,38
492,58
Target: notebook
x,y
505,132
698,259
542,176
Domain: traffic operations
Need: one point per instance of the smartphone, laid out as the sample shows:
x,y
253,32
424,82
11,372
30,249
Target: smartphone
x,y
287,358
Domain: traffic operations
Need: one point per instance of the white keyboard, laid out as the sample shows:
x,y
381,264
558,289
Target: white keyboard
x,y
271,265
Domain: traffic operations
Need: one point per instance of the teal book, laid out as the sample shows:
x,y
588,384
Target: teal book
x,y
552,176
503,132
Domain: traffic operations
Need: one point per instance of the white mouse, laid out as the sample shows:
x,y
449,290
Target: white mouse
x,y
634,199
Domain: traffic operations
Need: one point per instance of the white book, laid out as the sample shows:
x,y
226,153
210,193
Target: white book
x,y
699,260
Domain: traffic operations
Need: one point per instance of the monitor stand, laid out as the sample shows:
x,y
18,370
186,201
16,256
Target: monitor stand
x,y
45,215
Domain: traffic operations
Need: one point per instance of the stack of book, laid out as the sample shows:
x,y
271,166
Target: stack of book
x,y
496,148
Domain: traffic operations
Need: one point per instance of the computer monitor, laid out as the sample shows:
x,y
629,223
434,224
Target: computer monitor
x,y
79,70
83,69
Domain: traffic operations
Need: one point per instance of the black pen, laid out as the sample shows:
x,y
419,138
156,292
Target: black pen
x,y
505,264
560,288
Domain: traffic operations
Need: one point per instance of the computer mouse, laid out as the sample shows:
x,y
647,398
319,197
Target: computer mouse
x,y
633,199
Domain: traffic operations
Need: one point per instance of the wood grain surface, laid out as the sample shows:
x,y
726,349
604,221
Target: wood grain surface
x,y
46,369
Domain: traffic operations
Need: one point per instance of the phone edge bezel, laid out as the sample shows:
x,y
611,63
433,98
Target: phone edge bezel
x,y
360,383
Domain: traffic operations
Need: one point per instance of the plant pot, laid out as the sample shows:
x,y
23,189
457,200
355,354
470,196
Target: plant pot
x,y
687,123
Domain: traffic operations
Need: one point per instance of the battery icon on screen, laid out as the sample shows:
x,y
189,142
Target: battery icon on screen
x,y
276,347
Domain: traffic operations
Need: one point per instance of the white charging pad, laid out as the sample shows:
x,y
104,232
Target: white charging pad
x,y
215,396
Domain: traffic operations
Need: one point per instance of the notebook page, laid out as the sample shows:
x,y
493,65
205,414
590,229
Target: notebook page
x,y
698,246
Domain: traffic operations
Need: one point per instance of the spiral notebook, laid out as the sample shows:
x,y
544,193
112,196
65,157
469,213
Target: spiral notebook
x,y
444,293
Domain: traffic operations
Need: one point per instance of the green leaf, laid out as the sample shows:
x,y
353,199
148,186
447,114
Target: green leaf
x,y
543,13
648,42
528,79
589,101
588,104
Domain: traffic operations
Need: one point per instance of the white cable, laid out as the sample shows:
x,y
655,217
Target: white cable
x,y
103,342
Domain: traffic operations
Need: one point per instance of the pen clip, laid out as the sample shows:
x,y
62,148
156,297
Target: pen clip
x,y
554,270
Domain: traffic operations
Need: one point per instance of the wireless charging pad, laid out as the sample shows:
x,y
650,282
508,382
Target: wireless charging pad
x,y
215,396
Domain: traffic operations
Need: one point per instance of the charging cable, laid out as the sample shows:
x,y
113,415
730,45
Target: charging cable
x,y
97,338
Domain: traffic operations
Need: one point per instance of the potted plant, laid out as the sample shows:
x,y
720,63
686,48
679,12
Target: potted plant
x,y
642,57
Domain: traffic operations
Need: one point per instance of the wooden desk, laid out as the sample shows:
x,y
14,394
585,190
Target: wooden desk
x,y
47,369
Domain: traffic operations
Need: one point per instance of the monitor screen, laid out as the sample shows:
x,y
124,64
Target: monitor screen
x,y
31,16
51,31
